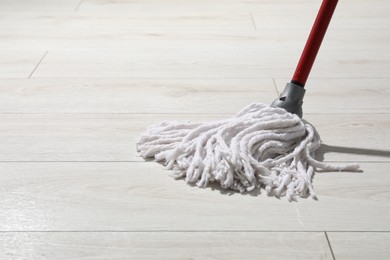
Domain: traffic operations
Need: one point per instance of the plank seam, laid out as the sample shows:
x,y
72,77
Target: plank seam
x,y
253,21
330,246
78,6
44,55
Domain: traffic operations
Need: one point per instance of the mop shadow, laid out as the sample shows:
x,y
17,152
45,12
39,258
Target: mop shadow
x,y
324,149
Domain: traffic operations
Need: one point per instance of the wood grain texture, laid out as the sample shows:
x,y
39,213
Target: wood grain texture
x,y
38,5
141,196
67,31
130,21
128,95
155,6
228,61
360,245
164,245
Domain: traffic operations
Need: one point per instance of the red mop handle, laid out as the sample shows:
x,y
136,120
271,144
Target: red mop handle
x,y
314,41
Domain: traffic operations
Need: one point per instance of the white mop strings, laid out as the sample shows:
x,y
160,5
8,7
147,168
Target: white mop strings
x,y
259,147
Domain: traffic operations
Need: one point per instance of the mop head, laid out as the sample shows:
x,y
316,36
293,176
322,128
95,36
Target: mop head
x,y
260,147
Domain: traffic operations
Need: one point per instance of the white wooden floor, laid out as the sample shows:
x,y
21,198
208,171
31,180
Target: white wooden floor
x,y
81,79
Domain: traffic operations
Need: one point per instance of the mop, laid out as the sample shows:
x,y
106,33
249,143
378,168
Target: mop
x,y
261,147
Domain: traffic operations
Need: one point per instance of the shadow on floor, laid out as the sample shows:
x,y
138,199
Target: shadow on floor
x,y
350,150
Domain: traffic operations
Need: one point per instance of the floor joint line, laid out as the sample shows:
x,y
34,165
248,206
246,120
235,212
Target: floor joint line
x,y
275,86
78,6
330,246
44,55
253,21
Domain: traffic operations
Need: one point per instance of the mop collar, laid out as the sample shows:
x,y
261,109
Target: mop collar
x,y
261,147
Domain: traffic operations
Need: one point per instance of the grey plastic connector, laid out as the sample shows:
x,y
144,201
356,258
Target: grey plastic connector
x,y
291,99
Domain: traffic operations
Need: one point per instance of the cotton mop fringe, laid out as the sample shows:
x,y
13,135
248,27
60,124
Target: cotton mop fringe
x,y
260,147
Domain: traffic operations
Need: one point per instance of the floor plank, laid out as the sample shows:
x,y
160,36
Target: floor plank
x,y
133,95
126,95
62,31
155,6
162,245
29,30
141,196
168,62
133,21
112,137
360,245
221,61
